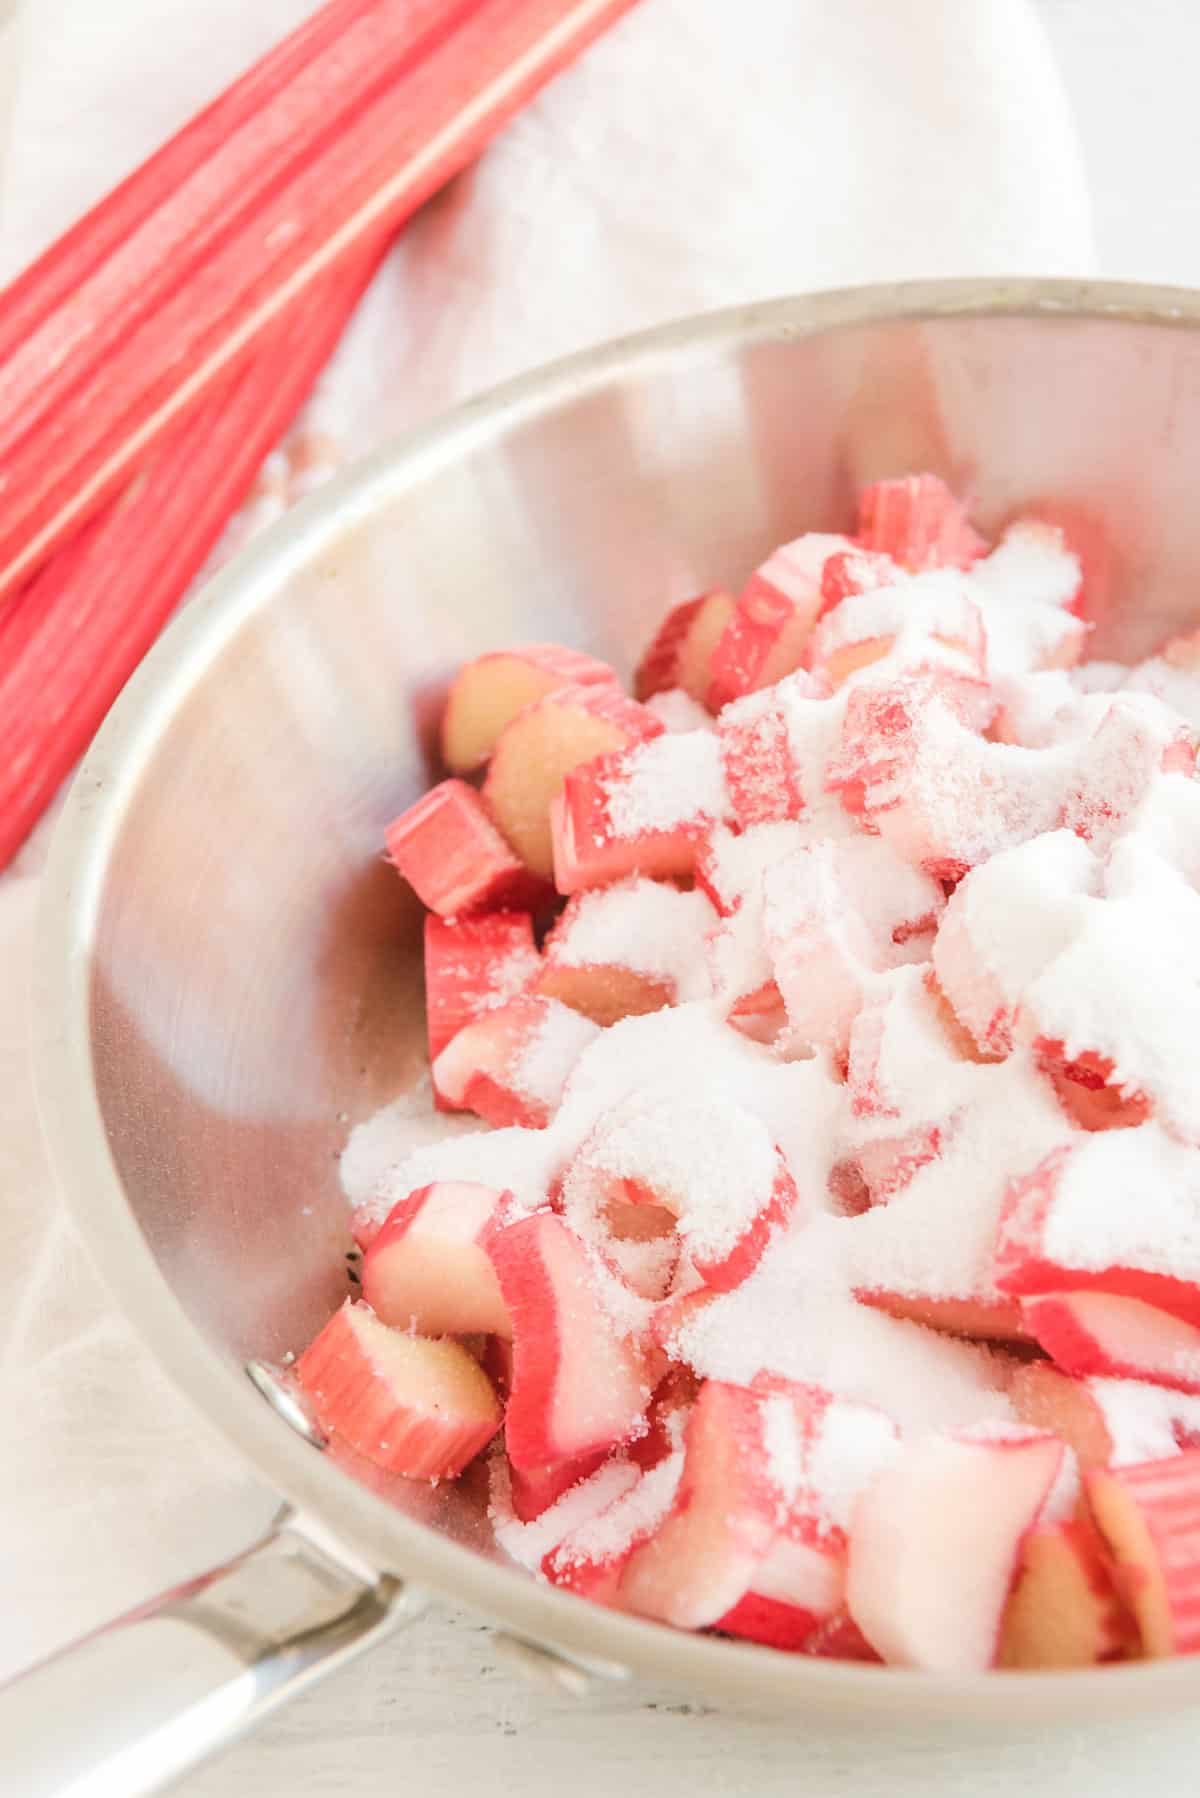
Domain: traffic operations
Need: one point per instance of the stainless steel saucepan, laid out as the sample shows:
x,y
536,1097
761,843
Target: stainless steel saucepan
x,y
227,971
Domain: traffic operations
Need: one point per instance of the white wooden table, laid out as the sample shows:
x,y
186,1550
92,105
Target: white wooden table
x,y
434,1712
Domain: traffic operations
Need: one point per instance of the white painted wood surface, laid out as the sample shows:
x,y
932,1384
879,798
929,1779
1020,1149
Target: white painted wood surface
x,y
435,1712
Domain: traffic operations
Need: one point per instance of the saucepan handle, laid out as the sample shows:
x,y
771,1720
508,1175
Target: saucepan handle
x,y
127,1710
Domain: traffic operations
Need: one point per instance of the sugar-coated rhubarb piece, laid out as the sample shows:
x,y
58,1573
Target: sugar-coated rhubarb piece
x,y
1113,1213
706,1161
1029,588
537,750
454,858
644,810
591,1558
407,1404
534,1489
700,1560
680,653
428,1269
928,613
578,1386
510,1066
487,693
917,521
472,966
1098,1333
762,777
835,915
1106,1422
1149,1517
1005,923
935,1541
769,627
854,570
1064,1610
627,949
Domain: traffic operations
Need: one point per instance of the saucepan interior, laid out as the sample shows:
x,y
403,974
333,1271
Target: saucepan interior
x,y
229,976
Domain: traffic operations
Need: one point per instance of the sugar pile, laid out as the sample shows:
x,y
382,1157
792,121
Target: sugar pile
x,y
971,879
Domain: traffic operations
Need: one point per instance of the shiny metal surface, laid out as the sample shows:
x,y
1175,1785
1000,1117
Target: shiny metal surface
x,y
125,1712
228,976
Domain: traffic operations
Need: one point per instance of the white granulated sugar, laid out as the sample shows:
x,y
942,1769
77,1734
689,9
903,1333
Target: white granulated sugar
x,y
1010,917
736,951
1127,988
795,1317
1029,706
646,925
635,1514
734,865
678,712
1099,677
1125,1198
507,978
935,1238
395,1131
668,782
521,1161
1023,589
853,1444
936,605
551,1051
1169,817
530,1543
1178,688
1145,1422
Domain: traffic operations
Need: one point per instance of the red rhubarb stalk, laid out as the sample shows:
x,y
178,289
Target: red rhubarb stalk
x,y
381,164
71,640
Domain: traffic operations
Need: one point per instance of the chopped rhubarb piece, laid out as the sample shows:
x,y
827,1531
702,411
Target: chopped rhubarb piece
x,y
835,915
854,570
1106,1422
706,1161
935,1541
1111,1213
535,1489
578,1385
538,749
1097,1333
769,627
840,1639
179,303
1029,588
486,695
591,1559
428,1269
473,966
1064,1610
760,773
644,810
628,949
680,654
510,1066
666,1418
74,635
916,520
770,1621
929,614
365,1225
409,1405
451,854
1149,1517
982,1319
1004,925
699,1561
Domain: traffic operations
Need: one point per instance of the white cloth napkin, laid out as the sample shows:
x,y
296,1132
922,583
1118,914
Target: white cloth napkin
x,y
701,154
